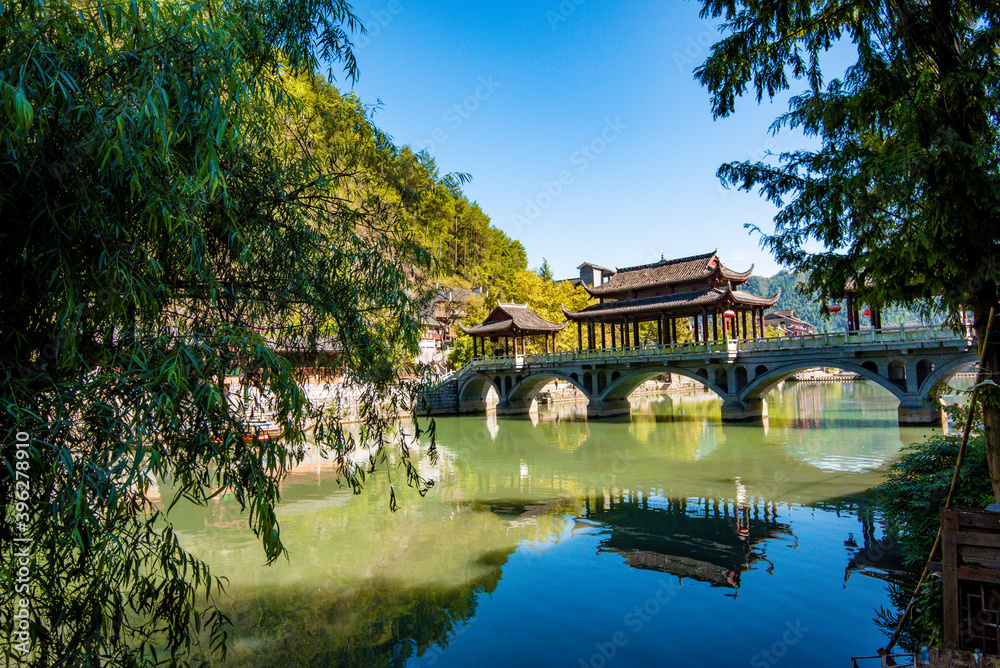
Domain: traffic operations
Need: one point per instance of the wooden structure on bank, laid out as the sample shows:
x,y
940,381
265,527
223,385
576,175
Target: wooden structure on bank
x,y
512,323
970,575
699,288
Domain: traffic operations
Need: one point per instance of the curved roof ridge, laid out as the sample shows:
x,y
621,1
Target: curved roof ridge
x,y
737,275
663,261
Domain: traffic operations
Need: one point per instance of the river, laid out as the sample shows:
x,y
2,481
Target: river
x,y
667,539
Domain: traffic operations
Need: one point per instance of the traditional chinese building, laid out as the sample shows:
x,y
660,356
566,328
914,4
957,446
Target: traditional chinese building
x,y
699,288
788,323
512,323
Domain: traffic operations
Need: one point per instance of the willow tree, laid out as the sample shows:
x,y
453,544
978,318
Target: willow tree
x,y
903,194
168,223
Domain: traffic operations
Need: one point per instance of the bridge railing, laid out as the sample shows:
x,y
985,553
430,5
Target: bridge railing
x,y
729,347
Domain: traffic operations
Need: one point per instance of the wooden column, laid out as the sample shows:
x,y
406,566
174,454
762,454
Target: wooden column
x,y
694,329
715,327
762,323
614,337
604,343
579,335
635,329
659,331
753,319
704,324
673,330
744,333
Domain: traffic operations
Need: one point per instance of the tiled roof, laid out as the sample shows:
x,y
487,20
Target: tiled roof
x,y
736,275
519,320
783,315
676,302
603,270
666,272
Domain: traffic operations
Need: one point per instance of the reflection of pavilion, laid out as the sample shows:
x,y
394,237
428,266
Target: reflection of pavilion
x,y
705,539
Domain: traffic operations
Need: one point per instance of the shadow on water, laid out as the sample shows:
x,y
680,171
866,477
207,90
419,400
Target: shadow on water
x,y
383,622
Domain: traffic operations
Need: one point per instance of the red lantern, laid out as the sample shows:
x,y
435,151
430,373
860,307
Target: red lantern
x,y
868,312
834,308
729,315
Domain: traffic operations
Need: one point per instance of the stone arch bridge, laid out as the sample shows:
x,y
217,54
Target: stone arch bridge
x,y
908,362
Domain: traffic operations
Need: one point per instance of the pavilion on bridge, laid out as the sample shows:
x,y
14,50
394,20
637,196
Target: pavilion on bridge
x,y
512,322
699,288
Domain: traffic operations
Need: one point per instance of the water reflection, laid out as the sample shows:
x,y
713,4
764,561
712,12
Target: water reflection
x,y
558,523
708,540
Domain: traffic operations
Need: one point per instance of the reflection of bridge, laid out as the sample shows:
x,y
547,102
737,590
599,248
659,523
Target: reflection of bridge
x,y
908,362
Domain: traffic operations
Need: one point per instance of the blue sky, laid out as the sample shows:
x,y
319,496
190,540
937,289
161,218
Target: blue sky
x,y
581,123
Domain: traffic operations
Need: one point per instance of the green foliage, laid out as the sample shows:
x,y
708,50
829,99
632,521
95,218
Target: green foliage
x,y
177,207
545,272
915,489
461,351
917,485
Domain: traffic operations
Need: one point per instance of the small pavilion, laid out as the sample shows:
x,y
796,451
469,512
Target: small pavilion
x,y
699,288
512,322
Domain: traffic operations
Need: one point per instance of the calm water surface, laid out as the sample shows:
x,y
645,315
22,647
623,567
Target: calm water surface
x,y
667,539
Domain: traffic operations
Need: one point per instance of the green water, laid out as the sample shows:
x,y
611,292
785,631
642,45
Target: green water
x,y
665,539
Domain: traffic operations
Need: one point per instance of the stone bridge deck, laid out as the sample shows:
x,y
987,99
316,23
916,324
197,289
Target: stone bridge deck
x,y
908,362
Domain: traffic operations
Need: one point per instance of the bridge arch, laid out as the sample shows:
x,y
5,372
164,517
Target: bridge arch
x,y
473,393
620,388
761,385
943,371
525,390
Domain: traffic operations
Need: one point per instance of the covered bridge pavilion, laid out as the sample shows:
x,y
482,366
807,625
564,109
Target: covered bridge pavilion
x,y
699,288
512,322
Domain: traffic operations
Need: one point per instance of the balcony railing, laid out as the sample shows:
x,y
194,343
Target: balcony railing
x,y
730,347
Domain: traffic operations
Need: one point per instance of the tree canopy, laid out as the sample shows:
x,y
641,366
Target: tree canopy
x,y
903,194
183,198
